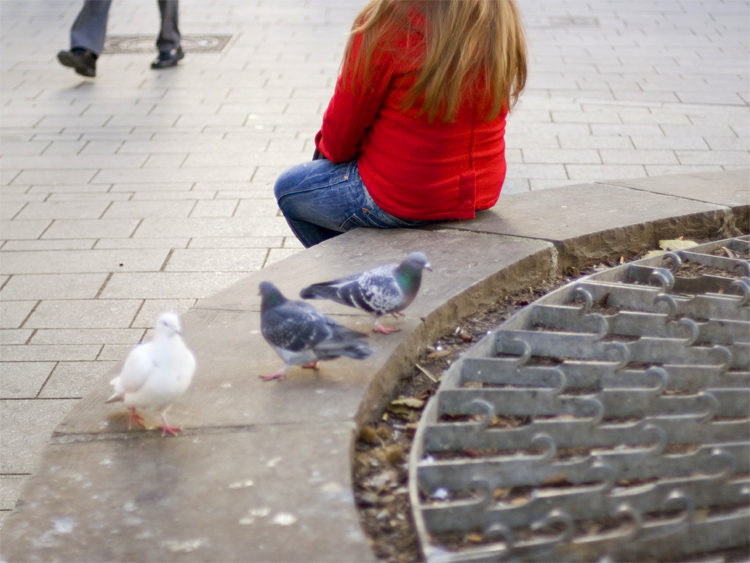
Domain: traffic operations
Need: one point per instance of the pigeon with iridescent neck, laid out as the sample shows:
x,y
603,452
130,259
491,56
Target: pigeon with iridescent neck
x,y
382,290
155,374
301,335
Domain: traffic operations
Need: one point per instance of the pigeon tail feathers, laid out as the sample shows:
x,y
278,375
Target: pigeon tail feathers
x,y
116,398
349,348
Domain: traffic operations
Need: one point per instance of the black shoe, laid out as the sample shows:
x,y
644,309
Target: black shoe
x,y
168,58
83,60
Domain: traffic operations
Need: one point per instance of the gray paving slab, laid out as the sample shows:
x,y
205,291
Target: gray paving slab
x,y
82,314
48,286
730,189
55,262
23,380
73,380
11,336
14,313
159,512
27,425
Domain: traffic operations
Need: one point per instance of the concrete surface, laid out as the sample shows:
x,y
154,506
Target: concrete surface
x,y
178,165
289,442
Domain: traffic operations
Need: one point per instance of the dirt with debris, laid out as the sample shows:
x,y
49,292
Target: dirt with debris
x,y
382,453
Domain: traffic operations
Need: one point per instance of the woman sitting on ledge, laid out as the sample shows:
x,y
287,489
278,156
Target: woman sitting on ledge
x,y
415,130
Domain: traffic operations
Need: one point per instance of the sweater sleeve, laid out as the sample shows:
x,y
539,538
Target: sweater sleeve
x,y
353,108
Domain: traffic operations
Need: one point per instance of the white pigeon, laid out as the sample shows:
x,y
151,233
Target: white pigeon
x,y
156,373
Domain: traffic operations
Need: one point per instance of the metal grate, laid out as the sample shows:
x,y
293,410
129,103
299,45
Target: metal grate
x,y
607,421
116,44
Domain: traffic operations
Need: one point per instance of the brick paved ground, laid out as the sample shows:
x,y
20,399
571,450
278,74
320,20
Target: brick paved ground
x,y
144,190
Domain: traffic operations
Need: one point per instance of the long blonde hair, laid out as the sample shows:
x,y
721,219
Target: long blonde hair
x,y
470,45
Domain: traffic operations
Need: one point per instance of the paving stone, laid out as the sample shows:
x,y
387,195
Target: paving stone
x,y
128,243
561,156
27,426
254,476
694,143
24,147
61,147
115,352
167,285
50,353
595,219
88,196
151,175
589,172
23,380
727,143
52,286
69,188
91,228
101,147
216,259
13,313
238,242
72,380
553,171
142,189
199,227
11,336
152,308
213,208
631,156
735,158
140,209
257,208
71,261
656,170
731,189
87,335
10,488
48,176
84,314
165,161
10,209
11,230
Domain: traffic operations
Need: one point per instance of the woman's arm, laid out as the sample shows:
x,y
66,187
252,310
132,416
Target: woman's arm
x,y
353,108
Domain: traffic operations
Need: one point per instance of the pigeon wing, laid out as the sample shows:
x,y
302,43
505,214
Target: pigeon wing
x,y
294,326
379,290
138,367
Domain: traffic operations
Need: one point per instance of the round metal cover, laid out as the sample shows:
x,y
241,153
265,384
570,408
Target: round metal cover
x,y
147,43
607,421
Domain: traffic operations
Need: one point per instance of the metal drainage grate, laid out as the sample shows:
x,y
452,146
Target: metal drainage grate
x,y
609,421
116,44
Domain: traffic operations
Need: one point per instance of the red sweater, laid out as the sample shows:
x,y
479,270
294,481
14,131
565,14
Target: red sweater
x,y
413,169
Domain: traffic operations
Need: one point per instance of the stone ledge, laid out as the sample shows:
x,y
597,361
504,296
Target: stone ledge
x,y
93,497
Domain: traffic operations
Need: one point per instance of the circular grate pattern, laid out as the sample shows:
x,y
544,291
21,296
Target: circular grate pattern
x,y
147,43
608,420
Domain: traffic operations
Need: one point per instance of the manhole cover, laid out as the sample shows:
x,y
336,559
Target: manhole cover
x,y
147,43
606,421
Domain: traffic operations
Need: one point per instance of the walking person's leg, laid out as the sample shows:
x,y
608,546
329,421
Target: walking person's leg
x,y
87,37
168,41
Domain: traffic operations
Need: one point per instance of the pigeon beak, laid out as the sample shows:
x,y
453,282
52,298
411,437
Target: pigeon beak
x,y
428,267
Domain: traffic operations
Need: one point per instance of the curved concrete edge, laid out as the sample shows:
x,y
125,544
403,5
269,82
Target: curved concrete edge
x,y
259,473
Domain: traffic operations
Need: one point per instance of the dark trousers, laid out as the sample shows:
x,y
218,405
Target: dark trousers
x,y
90,28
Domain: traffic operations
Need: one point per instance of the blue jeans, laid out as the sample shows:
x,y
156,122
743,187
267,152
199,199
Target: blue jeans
x,y
321,200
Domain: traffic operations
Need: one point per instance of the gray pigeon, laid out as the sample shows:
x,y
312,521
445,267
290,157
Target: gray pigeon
x,y
382,290
302,335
